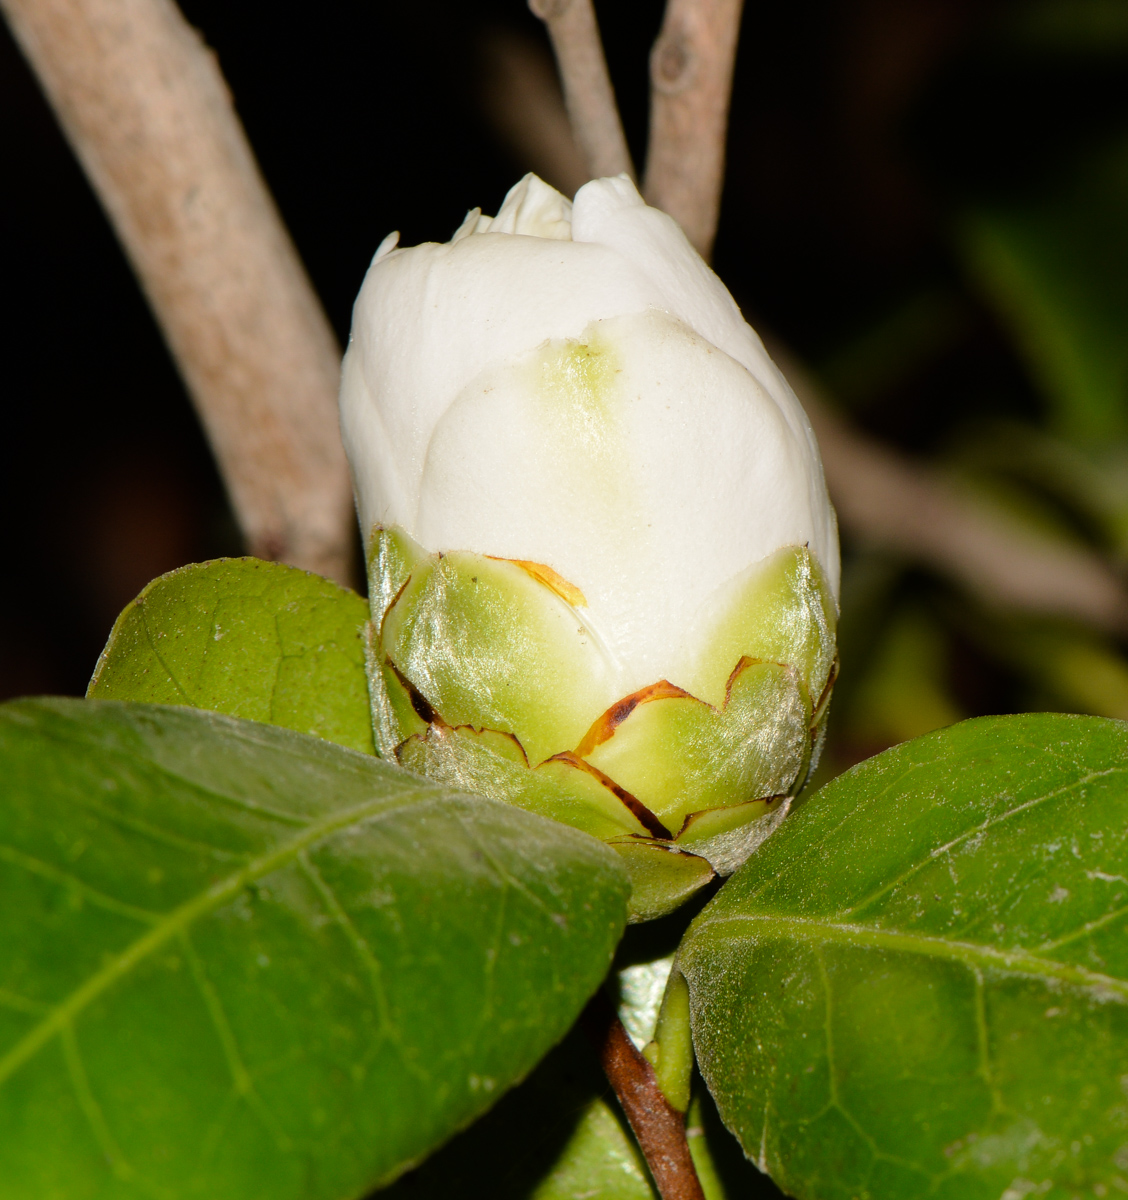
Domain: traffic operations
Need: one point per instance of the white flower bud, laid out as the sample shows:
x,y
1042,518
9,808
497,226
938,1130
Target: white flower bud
x,y
569,389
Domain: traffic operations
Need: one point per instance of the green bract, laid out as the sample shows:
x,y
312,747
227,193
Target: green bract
x,y
485,675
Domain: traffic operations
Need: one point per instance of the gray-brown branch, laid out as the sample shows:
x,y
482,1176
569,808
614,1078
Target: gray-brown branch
x,y
147,111
691,69
588,94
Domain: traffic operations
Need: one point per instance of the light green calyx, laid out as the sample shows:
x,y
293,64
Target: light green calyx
x,y
485,674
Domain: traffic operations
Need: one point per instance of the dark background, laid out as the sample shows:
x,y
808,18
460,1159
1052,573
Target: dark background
x,y
865,134
870,139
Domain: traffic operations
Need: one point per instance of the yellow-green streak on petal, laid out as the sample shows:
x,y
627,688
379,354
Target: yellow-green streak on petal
x,y
578,380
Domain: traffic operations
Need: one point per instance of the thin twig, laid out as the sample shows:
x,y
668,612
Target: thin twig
x,y
690,87
658,1127
588,94
150,118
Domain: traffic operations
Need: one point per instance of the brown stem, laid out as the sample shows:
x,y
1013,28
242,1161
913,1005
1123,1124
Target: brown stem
x,y
588,94
148,114
658,1127
691,83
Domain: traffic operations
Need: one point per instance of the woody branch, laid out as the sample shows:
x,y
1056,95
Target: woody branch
x,y
148,114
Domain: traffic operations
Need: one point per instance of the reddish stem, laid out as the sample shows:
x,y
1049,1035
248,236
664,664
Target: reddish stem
x,y
658,1126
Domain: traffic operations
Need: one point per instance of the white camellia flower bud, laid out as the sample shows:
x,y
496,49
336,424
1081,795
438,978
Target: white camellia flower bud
x,y
603,565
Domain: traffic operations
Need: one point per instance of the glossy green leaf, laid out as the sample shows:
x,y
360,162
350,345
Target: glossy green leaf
x,y
919,986
240,962
249,638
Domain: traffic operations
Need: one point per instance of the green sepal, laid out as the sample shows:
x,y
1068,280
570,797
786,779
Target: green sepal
x,y
395,712
679,756
492,647
392,556
249,638
493,764
485,676
779,610
662,877
728,836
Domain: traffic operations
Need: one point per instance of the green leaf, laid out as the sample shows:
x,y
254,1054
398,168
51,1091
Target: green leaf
x,y
919,986
558,1136
240,962
249,638
561,1135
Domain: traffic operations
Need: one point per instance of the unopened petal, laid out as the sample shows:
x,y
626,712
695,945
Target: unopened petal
x,y
431,318
611,213
638,461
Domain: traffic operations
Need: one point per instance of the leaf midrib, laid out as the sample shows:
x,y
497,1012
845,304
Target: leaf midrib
x,y
182,917
974,955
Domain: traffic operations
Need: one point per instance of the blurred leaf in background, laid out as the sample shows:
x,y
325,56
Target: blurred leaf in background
x,y
999,350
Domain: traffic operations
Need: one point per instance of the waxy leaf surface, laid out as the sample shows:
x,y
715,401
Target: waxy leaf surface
x,y
248,638
241,962
919,986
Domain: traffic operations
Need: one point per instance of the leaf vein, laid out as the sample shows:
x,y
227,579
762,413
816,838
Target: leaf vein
x,y
182,917
36,866
982,827
96,1119
370,963
160,657
1084,931
972,955
153,832
240,1076
22,1004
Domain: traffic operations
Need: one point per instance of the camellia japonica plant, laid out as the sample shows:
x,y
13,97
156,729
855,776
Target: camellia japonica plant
x,y
309,885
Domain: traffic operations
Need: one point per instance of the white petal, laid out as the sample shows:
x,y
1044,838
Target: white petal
x,y
386,247
380,496
533,208
471,223
431,318
644,465
611,213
